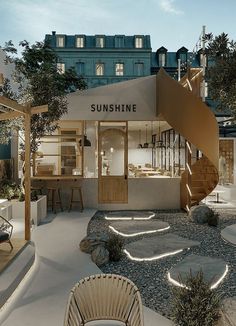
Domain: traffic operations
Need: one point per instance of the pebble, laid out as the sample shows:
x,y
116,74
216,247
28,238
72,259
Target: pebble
x,y
151,277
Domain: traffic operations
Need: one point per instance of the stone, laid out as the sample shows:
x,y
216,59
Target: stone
x,y
100,255
229,234
92,241
133,228
228,313
158,246
199,214
129,215
212,268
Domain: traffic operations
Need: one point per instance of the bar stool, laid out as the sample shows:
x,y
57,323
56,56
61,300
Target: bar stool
x,y
79,200
54,192
38,190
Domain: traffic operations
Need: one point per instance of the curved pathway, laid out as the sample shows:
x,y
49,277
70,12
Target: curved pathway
x,y
61,265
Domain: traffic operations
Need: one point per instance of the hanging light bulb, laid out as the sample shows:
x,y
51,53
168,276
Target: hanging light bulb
x,y
159,142
86,142
145,145
140,144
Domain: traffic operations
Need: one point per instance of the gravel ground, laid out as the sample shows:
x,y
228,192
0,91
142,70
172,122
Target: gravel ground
x,y
150,277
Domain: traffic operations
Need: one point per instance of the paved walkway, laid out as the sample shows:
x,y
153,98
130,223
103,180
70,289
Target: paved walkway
x,y
61,265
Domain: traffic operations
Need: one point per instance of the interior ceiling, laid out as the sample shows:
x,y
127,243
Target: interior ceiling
x,y
149,125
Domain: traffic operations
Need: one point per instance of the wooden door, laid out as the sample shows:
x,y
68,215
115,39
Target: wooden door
x,y
112,162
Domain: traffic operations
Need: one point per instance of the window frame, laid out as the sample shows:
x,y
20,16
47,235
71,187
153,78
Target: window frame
x,y
98,44
61,67
138,39
79,37
60,37
103,68
117,65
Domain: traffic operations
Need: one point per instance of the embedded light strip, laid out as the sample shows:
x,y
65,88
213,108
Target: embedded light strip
x,y
190,172
129,218
152,258
214,286
171,280
137,233
189,148
187,186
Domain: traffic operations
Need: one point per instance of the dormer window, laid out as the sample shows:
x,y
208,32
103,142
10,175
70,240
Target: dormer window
x,y
162,56
138,42
119,41
100,42
182,54
79,42
60,41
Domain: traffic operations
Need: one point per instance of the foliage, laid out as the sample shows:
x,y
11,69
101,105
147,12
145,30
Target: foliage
x,y
213,218
40,83
196,304
9,189
21,196
115,246
221,71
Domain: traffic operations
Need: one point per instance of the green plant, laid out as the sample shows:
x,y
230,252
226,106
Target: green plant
x,y
34,195
196,304
212,218
115,246
9,189
21,196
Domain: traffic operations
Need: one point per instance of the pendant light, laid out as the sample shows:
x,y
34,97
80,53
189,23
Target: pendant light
x,y
145,145
86,142
140,145
159,142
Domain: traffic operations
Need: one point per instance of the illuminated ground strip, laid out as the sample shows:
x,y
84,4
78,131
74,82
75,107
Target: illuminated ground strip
x,y
152,258
129,218
137,233
213,286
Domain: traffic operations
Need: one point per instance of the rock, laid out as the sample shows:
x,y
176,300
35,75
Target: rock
x,y
92,241
228,313
200,214
100,255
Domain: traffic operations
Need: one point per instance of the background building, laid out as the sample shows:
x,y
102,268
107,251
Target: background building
x,y
103,59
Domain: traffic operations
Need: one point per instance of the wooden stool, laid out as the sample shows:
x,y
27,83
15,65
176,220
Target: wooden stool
x,y
51,198
72,200
38,190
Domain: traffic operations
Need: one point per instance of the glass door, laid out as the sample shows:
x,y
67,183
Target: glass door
x,y
112,162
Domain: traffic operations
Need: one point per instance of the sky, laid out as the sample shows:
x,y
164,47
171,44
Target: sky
x,y
170,23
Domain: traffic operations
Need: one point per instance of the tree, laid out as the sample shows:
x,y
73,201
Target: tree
x,y
40,83
221,71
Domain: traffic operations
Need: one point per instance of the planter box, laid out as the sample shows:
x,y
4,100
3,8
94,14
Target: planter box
x,y
5,209
38,209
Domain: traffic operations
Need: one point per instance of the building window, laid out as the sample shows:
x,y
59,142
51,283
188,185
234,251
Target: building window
x,y
119,69
183,57
139,69
99,42
119,41
60,41
61,68
80,68
162,59
99,69
80,42
138,42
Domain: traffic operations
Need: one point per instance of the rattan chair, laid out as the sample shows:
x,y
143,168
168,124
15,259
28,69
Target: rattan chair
x,y
104,297
6,229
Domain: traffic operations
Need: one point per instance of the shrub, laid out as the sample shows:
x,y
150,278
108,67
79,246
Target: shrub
x,y
196,304
212,218
115,246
